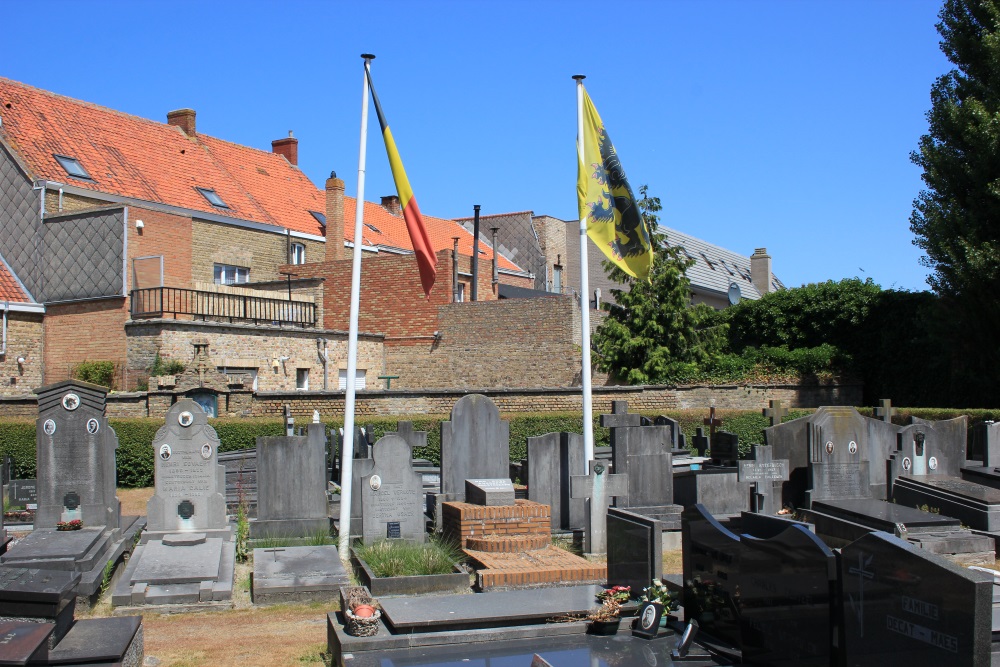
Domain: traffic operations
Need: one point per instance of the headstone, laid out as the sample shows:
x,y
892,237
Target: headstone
x,y
838,456
552,459
489,492
291,483
885,411
905,606
23,493
361,445
599,487
475,444
76,458
711,556
762,471
415,439
620,416
289,420
984,444
635,545
775,412
675,431
712,422
391,494
8,469
189,480
642,453
929,449
700,442
725,449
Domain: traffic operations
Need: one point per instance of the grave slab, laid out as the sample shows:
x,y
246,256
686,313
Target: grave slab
x,y
114,641
977,506
162,563
171,564
24,643
489,492
294,574
39,596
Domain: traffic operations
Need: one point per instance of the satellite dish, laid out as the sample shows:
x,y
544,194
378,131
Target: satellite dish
x,y
734,294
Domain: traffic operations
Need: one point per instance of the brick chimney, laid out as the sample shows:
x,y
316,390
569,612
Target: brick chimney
x,y
391,204
288,147
760,270
334,217
182,118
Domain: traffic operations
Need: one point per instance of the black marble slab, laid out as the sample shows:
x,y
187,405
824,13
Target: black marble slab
x,y
883,515
24,643
97,640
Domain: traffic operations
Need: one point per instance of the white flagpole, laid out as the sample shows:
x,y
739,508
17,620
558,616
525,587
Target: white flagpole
x,y
588,408
347,449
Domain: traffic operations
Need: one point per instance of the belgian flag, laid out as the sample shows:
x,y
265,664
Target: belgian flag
x,y
426,259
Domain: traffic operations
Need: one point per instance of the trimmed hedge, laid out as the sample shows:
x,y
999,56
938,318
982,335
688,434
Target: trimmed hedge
x,y
135,436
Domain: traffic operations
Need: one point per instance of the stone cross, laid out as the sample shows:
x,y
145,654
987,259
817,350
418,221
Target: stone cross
x,y
598,487
762,471
700,441
413,437
775,412
620,416
710,421
885,410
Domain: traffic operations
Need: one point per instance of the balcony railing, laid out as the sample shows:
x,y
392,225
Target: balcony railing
x,y
221,307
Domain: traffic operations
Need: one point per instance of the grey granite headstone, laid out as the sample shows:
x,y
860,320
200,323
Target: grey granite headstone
x,y
984,444
415,439
642,453
76,457
475,444
552,458
763,471
291,486
620,416
189,480
599,487
945,440
391,493
838,456
489,492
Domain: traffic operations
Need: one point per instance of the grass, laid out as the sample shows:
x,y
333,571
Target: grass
x,y
319,538
405,559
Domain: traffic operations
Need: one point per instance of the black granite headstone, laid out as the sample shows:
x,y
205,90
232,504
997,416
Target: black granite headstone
x,y
725,448
711,575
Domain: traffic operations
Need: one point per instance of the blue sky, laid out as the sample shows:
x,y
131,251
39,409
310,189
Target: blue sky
x,y
781,124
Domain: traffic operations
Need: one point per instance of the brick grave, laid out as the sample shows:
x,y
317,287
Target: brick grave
x,y
510,546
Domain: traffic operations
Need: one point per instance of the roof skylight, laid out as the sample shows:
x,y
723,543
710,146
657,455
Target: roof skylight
x,y
320,218
373,228
72,167
213,198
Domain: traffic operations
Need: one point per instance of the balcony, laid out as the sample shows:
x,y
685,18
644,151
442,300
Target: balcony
x,y
231,305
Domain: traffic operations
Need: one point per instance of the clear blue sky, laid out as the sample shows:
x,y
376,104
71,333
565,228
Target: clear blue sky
x,y
785,124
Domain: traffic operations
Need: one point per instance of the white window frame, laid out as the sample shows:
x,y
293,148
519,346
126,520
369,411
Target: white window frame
x,y
298,253
360,379
221,274
302,379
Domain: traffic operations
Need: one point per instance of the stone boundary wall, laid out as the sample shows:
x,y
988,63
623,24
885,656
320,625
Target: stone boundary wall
x,y
441,401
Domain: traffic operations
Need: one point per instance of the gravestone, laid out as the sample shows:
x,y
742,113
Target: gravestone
x,y
361,445
189,480
23,493
711,556
905,606
775,412
489,492
291,483
415,439
885,411
642,453
678,445
620,416
763,471
391,494
552,459
700,441
599,487
725,449
475,444
838,456
984,444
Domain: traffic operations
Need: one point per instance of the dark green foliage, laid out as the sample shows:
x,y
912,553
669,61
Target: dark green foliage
x,y
159,367
96,372
17,438
956,219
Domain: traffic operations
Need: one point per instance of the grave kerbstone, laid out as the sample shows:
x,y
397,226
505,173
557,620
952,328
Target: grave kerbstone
x,y
475,444
552,459
489,492
291,486
391,494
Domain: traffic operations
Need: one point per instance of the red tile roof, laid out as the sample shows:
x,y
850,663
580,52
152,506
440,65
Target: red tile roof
x,y
10,289
132,157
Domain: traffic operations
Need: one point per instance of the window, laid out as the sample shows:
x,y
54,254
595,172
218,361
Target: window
x,y
373,228
298,253
73,167
213,198
557,279
359,379
460,296
302,378
230,275
320,218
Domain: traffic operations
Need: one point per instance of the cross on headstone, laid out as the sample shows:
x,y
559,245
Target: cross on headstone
x,y
700,441
762,471
710,421
864,575
413,437
775,412
620,416
598,487
274,552
885,410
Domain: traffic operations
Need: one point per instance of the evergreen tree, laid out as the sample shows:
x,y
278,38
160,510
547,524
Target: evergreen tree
x,y
956,219
652,334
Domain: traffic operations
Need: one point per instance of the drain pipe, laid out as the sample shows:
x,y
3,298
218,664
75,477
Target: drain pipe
x,y
496,265
454,270
3,345
475,255
324,358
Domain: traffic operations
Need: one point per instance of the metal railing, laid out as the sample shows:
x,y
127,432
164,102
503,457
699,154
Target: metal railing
x,y
216,306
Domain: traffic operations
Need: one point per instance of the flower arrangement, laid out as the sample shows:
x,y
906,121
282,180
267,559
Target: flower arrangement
x,y
609,611
659,592
75,524
620,593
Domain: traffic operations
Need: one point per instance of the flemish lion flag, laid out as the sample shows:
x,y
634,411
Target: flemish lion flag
x,y
606,200
422,248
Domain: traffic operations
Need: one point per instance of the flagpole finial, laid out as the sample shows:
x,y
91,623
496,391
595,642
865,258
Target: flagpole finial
x,y
579,77
368,56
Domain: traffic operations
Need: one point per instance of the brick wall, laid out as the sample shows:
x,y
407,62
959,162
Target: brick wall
x,y
462,522
552,239
264,253
508,343
238,346
24,339
70,202
83,331
162,234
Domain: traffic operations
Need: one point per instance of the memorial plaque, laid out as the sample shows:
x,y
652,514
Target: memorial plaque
x,y
23,492
392,496
905,606
759,472
189,485
489,492
475,444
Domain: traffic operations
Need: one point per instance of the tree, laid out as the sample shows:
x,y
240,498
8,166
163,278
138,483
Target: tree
x,y
653,334
956,219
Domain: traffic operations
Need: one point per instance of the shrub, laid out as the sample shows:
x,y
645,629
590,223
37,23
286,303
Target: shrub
x,y
96,372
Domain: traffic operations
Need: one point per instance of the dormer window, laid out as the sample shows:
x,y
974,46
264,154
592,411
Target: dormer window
x,y
73,167
213,197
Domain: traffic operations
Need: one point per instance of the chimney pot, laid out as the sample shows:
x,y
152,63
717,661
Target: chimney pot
x,y
184,119
391,204
334,217
289,147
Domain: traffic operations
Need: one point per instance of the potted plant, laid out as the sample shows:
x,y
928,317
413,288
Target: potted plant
x,y
361,612
605,619
658,592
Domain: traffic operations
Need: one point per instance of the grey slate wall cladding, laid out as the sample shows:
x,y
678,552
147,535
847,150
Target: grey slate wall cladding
x,y
18,222
83,255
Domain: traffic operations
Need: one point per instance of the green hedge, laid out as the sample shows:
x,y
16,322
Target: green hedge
x,y
135,436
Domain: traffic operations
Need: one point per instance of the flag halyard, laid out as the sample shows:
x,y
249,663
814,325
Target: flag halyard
x,y
614,222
